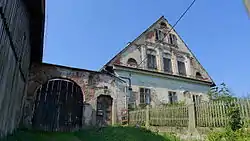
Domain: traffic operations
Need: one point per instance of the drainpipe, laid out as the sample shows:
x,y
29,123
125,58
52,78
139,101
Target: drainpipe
x,y
114,75
121,78
129,88
130,93
129,82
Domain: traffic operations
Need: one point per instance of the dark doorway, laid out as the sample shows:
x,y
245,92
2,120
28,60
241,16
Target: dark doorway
x,y
104,110
58,106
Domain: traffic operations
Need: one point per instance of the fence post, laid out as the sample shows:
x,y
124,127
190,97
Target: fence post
x,y
191,118
147,116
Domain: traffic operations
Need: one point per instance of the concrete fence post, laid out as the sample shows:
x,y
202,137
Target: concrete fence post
x,y
147,116
191,118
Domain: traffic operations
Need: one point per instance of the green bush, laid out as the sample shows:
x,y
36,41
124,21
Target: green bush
x,y
242,134
236,130
235,121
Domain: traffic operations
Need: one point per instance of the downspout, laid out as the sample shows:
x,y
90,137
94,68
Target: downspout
x,y
121,78
129,89
114,75
130,93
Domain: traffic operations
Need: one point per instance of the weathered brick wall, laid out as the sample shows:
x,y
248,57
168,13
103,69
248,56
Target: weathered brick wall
x,y
92,85
14,62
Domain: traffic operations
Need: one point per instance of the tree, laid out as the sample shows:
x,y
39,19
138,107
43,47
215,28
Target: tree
x,y
220,93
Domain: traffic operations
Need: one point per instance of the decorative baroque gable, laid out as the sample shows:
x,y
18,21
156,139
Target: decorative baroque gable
x,y
156,38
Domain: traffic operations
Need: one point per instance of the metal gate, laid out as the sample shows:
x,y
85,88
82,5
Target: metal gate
x,y
58,106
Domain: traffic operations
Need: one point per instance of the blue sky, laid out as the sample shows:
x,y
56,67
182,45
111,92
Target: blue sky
x,y
88,33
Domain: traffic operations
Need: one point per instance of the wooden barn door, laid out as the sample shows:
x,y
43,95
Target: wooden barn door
x,y
58,106
104,110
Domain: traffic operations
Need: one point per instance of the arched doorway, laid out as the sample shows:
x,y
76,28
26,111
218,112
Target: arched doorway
x,y
58,106
104,110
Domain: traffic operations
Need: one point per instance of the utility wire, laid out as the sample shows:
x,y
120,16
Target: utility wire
x,y
183,14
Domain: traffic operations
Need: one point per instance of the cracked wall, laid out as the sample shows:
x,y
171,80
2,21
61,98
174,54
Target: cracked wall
x,y
92,85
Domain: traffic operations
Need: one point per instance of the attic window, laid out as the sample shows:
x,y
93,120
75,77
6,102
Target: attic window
x,y
163,25
173,39
159,35
198,75
132,62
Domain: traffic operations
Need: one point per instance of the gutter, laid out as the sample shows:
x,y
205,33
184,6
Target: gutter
x,y
114,76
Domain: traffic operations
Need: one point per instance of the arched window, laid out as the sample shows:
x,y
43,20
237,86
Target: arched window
x,y
151,59
132,62
198,75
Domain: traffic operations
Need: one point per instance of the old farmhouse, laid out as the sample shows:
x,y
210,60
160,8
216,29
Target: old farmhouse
x,y
161,68
156,68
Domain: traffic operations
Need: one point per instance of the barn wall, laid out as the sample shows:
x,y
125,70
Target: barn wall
x,y
92,85
14,62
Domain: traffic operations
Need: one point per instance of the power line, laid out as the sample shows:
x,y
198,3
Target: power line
x,y
183,14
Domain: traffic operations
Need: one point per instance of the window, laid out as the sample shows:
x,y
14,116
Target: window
x,y
197,99
172,39
181,68
132,62
159,35
167,64
144,96
172,97
163,25
151,59
198,75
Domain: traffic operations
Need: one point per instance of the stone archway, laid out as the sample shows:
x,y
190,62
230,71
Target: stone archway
x,y
58,106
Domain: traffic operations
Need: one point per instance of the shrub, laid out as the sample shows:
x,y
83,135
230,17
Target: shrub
x,y
229,135
235,121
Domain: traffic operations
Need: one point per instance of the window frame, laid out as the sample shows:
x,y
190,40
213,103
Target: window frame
x,y
144,91
132,60
159,35
173,39
180,72
167,56
172,97
151,59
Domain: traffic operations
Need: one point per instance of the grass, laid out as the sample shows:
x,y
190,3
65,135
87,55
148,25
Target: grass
x,y
105,134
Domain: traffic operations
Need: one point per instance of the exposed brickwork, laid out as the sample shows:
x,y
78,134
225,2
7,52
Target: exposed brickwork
x,y
91,83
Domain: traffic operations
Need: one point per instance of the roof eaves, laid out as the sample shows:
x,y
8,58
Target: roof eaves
x,y
176,76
